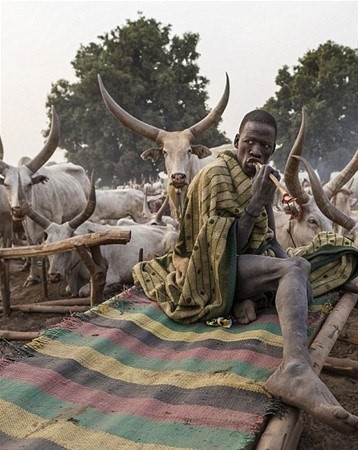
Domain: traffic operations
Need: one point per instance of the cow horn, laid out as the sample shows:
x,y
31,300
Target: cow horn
x,y
125,118
51,144
215,114
323,202
160,212
291,170
88,211
38,218
1,150
333,186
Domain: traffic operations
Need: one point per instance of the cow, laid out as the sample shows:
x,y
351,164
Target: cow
x,y
151,240
297,231
112,204
183,158
58,192
347,222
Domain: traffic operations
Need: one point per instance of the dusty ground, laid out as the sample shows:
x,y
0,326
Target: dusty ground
x,y
314,436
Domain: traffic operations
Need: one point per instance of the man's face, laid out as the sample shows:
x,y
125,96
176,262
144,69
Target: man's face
x,y
255,144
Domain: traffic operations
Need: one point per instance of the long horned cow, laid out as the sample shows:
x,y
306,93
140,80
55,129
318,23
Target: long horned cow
x,y
323,200
183,158
153,240
295,232
59,192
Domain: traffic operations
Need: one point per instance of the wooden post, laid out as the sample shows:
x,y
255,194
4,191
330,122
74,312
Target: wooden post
x,y
97,268
5,286
69,244
44,277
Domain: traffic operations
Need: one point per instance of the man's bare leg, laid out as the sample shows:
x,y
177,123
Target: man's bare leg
x,y
295,381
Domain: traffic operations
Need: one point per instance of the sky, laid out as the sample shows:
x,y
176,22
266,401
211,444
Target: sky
x,y
249,40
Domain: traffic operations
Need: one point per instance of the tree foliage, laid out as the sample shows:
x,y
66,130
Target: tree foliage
x,y
325,82
152,76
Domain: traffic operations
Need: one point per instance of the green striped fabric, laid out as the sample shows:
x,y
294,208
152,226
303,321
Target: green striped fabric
x,y
123,375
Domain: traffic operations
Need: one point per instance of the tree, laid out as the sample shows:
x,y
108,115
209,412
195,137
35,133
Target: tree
x,y
325,82
154,77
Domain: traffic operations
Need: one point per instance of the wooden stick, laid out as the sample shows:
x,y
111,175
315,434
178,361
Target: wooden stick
x,y
345,366
18,335
67,245
284,433
56,309
275,180
83,301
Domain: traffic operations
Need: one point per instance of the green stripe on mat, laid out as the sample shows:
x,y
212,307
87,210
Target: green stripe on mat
x,y
125,426
108,348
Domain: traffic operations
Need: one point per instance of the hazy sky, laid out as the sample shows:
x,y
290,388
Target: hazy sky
x,y
250,41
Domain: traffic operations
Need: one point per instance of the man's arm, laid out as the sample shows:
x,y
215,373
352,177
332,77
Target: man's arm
x,y
275,246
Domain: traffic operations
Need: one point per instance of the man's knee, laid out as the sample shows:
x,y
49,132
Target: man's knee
x,y
300,264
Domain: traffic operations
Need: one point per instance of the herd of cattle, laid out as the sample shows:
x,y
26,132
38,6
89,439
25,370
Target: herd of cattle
x,y
57,201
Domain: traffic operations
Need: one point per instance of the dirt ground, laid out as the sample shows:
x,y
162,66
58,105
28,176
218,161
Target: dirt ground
x,y
315,435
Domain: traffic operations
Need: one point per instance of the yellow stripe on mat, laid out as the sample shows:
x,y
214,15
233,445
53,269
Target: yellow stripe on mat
x,y
161,331
61,431
110,367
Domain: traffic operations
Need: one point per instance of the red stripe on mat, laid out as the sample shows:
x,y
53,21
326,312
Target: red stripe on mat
x,y
65,390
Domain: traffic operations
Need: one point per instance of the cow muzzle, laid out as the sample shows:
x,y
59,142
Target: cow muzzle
x,y
17,214
178,180
54,277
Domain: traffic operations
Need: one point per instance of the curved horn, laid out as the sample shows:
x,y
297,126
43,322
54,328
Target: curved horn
x,y
215,114
333,186
146,212
291,170
51,144
38,218
160,212
1,150
87,212
125,118
323,202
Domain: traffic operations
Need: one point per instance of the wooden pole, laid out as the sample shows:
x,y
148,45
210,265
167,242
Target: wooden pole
x,y
284,433
18,335
5,285
67,245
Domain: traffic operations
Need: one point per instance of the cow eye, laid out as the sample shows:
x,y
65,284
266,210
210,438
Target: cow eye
x,y
312,221
165,153
190,151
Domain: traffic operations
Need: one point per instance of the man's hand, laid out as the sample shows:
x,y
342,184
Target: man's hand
x,y
263,188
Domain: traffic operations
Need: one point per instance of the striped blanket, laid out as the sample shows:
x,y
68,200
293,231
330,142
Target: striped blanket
x,y
123,375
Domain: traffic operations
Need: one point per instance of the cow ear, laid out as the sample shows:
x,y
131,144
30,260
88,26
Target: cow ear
x,y
201,151
39,179
152,153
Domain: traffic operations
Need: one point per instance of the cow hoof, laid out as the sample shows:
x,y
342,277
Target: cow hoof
x,y
31,281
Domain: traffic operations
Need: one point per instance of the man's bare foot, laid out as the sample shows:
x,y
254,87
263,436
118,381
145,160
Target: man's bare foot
x,y
244,312
298,385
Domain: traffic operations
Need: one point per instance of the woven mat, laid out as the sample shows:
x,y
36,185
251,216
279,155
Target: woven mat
x,y
123,375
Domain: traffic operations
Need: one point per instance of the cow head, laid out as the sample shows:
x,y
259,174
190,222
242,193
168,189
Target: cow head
x,y
61,264
28,172
178,147
327,208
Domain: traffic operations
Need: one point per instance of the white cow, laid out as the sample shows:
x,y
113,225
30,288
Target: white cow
x,y
58,192
347,222
112,204
151,240
183,158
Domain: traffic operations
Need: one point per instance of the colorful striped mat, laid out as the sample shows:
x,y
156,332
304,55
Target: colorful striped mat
x,y
123,375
